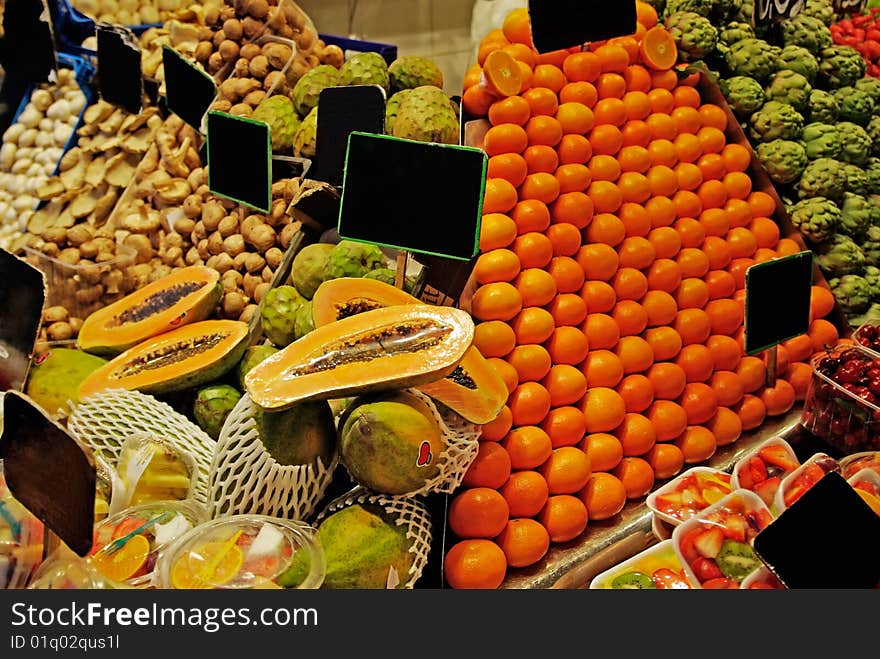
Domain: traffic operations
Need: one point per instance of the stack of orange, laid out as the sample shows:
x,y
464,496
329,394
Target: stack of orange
x,y
618,226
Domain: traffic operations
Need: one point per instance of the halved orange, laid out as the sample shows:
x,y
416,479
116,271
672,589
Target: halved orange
x,y
502,74
126,561
658,49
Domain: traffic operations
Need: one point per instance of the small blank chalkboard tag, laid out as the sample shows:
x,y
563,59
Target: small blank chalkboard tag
x,y
48,471
559,24
22,296
777,301
28,40
342,111
120,78
413,196
828,538
240,160
189,91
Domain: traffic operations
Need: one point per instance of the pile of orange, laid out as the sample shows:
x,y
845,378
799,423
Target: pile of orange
x,y
618,226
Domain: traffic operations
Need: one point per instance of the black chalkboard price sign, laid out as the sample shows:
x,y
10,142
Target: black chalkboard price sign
x,y
120,78
240,159
189,91
22,296
558,24
770,11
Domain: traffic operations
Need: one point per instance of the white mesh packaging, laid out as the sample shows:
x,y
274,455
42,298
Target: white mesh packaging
x,y
406,511
245,478
104,421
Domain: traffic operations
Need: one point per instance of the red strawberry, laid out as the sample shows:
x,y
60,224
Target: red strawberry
x,y
720,584
744,476
735,527
767,489
760,585
686,545
778,456
757,469
705,569
708,543
667,579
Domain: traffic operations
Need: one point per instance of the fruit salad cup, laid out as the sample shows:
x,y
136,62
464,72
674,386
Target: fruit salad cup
x,y
762,579
152,469
689,493
802,479
842,405
244,551
867,483
854,463
64,570
762,469
127,545
715,547
21,540
657,567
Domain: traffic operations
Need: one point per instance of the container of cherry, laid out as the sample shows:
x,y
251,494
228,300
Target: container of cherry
x,y
762,469
868,335
689,493
842,405
657,567
715,547
855,462
802,479
127,545
244,552
867,483
762,579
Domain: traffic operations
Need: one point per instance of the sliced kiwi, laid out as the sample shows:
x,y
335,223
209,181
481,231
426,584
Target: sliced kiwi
x,y
632,580
737,560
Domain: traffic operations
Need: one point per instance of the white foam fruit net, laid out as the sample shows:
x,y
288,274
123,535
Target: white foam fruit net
x,y
105,420
407,511
245,478
462,443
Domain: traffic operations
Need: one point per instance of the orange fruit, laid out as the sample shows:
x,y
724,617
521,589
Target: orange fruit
x,y
636,434
662,211
714,221
665,342
630,317
499,196
799,375
536,287
610,85
668,417
693,326
574,208
634,187
725,425
505,138
579,92
738,213
525,493
602,368
512,167
529,403
534,249
573,178
692,262
666,460
494,338
636,219
599,296
664,79
542,101
633,158
738,268
727,387
666,242
602,331
528,447
688,147
742,243
635,133
686,97
565,238
567,470
691,231
699,401
496,265
720,284
637,392
496,301
477,100
687,204
604,168
497,428
566,384
636,475
779,398
603,449
532,325
751,411
532,362
491,467
529,215
568,309
662,101
664,275
635,354
542,186
612,58
475,564
726,352
736,158
687,119
711,139
510,110
606,229
766,232
479,512
658,50
752,373
726,316
567,345
761,204
603,409
506,371
692,293
496,231
668,380
582,67
574,149
662,151
662,127
567,273
604,495
502,74
689,176
822,333
660,307
712,167
697,444
606,197
541,159
637,103
821,302
606,139
637,78
564,425
564,516
549,76
524,542
717,252
635,252
522,53
696,360
787,247
629,284
662,181
543,130
517,26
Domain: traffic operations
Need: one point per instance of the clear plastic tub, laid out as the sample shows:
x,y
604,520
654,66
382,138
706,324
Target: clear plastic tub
x,y
762,579
802,479
762,469
855,462
244,552
715,547
64,570
867,483
867,335
127,545
837,416
657,567
689,493
21,540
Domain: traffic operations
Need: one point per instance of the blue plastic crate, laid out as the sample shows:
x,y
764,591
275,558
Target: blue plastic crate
x,y
73,27
387,51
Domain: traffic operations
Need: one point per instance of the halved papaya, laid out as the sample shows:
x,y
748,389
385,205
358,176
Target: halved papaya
x,y
474,390
187,357
336,299
389,348
187,295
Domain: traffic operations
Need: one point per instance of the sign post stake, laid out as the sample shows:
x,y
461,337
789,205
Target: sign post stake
x,y
400,273
771,355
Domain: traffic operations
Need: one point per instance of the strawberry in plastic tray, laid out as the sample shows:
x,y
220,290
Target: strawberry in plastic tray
x,y
802,479
689,493
657,567
762,469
